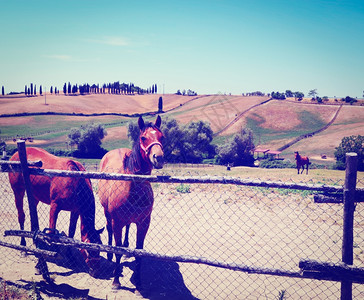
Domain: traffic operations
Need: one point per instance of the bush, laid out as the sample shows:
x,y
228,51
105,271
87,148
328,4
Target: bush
x,y
88,140
350,144
271,163
238,150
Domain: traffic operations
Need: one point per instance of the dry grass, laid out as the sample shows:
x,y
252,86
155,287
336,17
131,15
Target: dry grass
x,y
273,118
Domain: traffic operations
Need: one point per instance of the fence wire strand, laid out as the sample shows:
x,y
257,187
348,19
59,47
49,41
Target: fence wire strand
x,y
250,225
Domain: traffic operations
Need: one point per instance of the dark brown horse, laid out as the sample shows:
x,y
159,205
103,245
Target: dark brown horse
x,y
61,193
127,202
301,162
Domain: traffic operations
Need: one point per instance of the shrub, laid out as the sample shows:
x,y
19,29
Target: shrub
x,y
184,189
350,144
271,163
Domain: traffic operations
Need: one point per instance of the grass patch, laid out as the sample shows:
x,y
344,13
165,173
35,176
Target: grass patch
x,y
183,188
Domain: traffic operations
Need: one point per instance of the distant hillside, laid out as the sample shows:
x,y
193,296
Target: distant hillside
x,y
274,122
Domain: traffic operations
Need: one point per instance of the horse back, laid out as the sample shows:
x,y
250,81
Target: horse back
x,y
47,189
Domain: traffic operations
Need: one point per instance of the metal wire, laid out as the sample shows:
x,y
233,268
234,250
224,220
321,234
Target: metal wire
x,y
258,226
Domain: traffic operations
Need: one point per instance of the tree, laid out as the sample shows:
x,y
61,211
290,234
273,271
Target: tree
x,y
350,144
313,93
173,140
289,93
51,90
40,90
65,88
238,150
197,138
133,131
35,89
299,95
350,100
2,145
88,140
278,95
160,104
2,90
31,89
25,90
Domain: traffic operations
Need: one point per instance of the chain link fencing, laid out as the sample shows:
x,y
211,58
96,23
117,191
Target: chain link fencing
x,y
261,226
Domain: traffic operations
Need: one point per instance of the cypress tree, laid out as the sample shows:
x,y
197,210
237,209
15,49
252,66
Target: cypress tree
x,y
40,90
160,104
2,91
31,89
35,89
26,90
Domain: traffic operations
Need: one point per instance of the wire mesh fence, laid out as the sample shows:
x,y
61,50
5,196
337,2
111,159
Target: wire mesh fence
x,y
260,226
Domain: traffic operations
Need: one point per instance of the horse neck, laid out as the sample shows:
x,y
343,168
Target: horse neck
x,y
136,163
87,208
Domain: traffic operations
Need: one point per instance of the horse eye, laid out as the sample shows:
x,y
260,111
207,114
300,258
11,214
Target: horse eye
x,y
143,138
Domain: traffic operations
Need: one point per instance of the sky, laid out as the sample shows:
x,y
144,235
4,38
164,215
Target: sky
x,y
216,46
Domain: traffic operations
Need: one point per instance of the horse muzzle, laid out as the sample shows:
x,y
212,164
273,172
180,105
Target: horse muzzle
x,y
157,161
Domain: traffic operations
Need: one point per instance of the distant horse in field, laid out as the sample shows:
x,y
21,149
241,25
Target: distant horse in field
x,y
127,202
61,193
301,161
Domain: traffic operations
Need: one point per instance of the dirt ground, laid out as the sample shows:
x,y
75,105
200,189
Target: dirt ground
x,y
257,227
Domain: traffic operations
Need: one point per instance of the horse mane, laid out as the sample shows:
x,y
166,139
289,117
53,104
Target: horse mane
x,y
134,162
87,200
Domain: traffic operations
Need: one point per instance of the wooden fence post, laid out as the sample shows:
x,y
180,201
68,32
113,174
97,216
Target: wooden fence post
x,y
28,186
348,219
41,266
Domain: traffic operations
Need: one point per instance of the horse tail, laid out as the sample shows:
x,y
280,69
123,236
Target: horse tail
x,y
84,196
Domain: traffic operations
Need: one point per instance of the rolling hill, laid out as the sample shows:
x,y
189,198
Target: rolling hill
x,y
274,122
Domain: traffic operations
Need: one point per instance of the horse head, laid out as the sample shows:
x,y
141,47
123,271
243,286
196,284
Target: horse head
x,y
296,155
150,140
92,257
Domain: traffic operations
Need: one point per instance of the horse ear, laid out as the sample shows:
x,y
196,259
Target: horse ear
x,y
141,123
158,121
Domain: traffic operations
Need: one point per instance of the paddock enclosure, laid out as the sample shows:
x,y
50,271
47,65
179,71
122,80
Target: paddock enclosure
x,y
200,226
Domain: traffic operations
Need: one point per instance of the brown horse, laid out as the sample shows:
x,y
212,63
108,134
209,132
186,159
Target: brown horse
x,y
301,161
127,202
61,193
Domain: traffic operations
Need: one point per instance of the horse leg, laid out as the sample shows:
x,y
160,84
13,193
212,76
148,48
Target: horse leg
x,y
53,215
109,232
73,224
126,239
142,229
19,196
307,169
117,229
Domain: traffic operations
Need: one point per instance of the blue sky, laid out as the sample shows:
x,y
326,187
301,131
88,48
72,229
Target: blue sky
x,y
207,46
